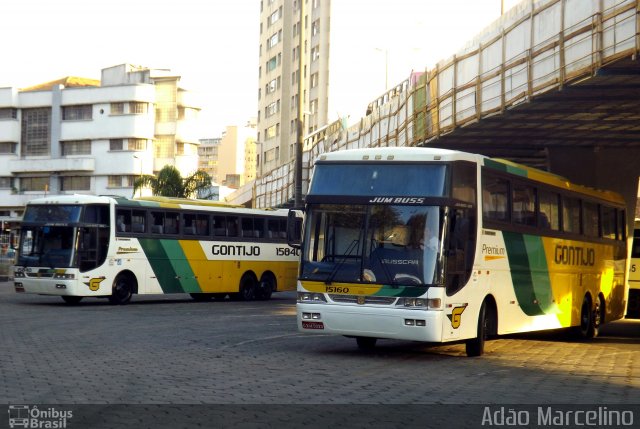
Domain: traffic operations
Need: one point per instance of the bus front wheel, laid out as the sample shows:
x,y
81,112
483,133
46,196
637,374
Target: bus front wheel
x,y
475,346
122,290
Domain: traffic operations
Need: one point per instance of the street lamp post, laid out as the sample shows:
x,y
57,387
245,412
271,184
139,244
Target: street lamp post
x,y
140,161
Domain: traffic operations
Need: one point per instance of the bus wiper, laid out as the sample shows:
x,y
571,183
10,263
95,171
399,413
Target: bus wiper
x,y
334,272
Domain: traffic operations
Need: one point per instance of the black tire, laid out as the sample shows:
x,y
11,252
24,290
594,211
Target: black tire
x,y
201,297
248,286
590,318
265,288
475,346
71,300
122,290
366,343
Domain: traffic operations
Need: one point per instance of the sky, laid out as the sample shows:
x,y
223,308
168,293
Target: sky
x,y
213,45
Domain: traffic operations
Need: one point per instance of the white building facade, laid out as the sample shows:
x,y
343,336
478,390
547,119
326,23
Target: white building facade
x,y
93,137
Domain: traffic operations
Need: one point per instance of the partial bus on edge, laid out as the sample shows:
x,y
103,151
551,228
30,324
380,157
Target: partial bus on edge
x,y
633,305
78,246
515,249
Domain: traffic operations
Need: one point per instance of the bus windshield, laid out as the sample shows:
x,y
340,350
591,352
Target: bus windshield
x,y
379,244
47,246
380,180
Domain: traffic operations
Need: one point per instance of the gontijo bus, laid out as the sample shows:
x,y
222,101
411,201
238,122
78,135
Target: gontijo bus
x,y
514,249
79,246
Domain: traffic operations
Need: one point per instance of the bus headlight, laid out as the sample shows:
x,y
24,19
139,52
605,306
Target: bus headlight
x,y
425,303
309,297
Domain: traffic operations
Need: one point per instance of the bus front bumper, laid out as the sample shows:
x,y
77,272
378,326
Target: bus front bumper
x,y
366,321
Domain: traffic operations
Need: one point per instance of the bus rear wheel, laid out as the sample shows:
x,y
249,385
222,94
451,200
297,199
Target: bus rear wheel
x,y
590,318
121,291
265,288
71,300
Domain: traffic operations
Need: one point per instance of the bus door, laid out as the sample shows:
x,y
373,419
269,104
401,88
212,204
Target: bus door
x,y
459,248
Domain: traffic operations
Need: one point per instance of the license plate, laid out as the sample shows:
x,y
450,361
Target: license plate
x,y
313,325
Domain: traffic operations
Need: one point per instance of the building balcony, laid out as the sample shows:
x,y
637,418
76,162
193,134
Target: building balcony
x,y
44,165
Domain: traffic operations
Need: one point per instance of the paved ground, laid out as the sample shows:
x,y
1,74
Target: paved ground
x,y
172,350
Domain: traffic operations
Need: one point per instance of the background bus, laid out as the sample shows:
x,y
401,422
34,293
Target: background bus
x,y
633,301
517,249
79,246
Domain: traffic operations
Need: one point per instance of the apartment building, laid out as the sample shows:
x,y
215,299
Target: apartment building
x,y
280,52
85,136
237,156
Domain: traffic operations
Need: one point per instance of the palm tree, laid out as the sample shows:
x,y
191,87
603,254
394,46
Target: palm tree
x,y
170,183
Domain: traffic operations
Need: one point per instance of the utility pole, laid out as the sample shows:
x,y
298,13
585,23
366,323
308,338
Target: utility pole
x,y
300,120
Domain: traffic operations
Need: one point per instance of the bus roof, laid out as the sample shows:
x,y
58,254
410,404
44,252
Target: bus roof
x,y
161,202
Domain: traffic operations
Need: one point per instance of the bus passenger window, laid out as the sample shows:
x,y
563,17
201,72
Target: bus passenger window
x,y
188,224
495,198
219,226
171,221
123,220
158,223
609,222
232,226
272,228
549,215
247,227
202,225
571,215
138,220
524,205
590,219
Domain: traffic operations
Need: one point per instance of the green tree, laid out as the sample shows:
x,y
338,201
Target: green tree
x,y
170,183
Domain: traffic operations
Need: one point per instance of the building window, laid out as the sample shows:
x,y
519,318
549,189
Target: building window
x,y
187,113
116,144
272,131
314,80
272,109
36,131
8,113
75,147
120,181
164,146
28,184
7,147
75,183
77,113
315,53
117,108
137,144
138,108
272,63
272,86
315,27
6,182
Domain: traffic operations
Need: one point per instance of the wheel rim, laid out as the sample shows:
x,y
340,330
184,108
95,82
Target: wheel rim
x,y
122,290
247,289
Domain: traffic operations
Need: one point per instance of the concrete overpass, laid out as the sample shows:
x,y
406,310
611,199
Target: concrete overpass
x,y
553,84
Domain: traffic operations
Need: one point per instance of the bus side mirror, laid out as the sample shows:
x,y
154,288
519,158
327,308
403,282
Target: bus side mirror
x,y
294,228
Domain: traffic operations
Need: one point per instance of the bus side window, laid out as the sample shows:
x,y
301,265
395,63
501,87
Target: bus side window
x,y
138,221
123,220
219,226
461,248
272,228
232,226
157,226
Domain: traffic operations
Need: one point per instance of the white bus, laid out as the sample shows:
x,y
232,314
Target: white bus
x,y
515,249
78,246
